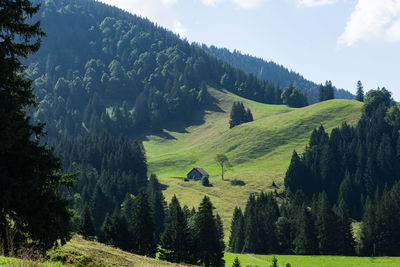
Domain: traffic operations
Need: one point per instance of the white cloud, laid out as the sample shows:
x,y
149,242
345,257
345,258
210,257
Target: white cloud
x,y
179,29
159,11
372,20
312,3
169,2
248,4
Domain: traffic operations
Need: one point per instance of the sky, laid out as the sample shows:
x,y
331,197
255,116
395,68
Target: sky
x,y
339,40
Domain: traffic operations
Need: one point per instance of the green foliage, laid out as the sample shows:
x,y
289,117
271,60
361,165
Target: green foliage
x,y
236,239
87,229
353,162
143,226
177,241
292,97
236,262
376,98
239,115
360,92
209,244
31,209
205,181
222,160
379,229
158,205
325,92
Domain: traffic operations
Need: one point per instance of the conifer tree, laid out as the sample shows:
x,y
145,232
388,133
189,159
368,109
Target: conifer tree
x,y
210,249
87,227
236,239
106,232
236,262
360,92
326,226
30,174
176,241
157,203
346,243
142,224
305,242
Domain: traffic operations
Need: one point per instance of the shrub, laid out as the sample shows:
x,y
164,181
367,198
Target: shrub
x,y
238,182
205,181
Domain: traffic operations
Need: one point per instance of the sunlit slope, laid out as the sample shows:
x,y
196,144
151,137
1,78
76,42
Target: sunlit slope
x,y
259,151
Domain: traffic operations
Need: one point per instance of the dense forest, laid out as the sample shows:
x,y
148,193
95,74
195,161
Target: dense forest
x,y
103,68
352,162
272,72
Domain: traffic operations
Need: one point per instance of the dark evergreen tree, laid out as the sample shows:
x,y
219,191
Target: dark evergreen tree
x,y
100,205
210,249
239,115
142,224
158,204
121,235
177,242
236,262
30,203
346,243
87,229
360,92
106,232
236,239
326,226
306,242
325,92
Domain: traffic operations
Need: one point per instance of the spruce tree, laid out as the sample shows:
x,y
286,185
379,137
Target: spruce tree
x,y
306,241
176,241
326,226
360,92
210,248
157,203
346,243
142,224
236,262
236,239
30,174
87,229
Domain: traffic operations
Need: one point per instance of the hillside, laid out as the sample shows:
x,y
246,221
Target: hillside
x,y
259,151
272,72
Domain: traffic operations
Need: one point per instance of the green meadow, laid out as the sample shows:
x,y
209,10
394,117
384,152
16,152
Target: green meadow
x,y
259,151
247,260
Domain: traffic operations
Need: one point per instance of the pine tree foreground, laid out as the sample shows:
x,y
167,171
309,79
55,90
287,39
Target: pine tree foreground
x,y
30,174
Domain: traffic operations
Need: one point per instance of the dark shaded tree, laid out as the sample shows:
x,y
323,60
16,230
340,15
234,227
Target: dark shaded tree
x,y
30,203
360,92
210,249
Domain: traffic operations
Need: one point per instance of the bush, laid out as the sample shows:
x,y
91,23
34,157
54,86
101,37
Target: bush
x,y
186,180
205,181
238,182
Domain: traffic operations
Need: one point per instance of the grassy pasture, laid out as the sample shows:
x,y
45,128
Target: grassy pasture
x,y
259,151
247,260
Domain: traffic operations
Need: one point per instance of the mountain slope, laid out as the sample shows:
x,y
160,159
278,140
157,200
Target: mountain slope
x,y
102,68
259,151
272,72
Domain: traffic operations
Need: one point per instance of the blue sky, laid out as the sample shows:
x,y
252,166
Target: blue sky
x,y
339,40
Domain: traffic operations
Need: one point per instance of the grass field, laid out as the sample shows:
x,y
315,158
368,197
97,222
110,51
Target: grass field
x,y
259,151
311,261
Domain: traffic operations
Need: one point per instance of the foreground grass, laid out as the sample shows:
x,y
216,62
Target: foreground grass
x,y
7,261
312,261
81,252
259,151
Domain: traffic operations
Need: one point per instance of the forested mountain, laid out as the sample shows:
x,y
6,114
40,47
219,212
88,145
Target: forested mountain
x,y
103,68
272,72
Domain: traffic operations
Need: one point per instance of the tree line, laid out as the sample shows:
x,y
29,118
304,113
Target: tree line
x,y
144,225
353,161
291,228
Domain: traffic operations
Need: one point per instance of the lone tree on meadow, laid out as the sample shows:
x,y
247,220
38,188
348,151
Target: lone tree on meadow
x,y
222,160
30,174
